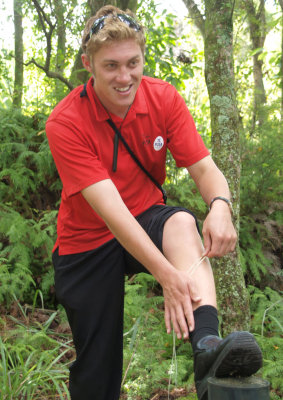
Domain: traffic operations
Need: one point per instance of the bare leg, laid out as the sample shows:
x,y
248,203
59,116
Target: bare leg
x,y
213,356
182,246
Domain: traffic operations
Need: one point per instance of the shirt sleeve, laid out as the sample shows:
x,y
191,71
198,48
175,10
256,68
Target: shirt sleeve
x,y
78,165
184,142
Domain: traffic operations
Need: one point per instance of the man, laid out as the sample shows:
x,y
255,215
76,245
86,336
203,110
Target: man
x,y
113,220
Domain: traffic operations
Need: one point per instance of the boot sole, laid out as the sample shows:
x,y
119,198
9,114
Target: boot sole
x,y
240,357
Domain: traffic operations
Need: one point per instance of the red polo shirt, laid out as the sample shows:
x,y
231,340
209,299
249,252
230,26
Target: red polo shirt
x,y
81,142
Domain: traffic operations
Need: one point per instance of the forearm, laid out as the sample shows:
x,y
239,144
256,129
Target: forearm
x,y
111,208
209,180
218,231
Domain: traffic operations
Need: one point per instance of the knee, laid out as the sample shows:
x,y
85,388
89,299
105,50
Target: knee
x,y
180,221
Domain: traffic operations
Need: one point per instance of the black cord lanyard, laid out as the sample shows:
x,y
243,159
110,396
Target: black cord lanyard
x,y
118,136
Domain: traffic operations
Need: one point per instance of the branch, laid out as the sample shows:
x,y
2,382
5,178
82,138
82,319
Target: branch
x,y
256,22
195,15
48,34
44,19
42,14
51,74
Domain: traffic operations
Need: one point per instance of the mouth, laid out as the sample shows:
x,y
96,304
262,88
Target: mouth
x,y
123,89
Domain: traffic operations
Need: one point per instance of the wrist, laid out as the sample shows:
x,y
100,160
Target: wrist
x,y
223,199
167,276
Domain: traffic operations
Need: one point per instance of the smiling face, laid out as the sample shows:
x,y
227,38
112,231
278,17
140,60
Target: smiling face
x,y
117,68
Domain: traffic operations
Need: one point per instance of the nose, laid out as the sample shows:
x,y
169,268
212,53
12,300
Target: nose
x,y
123,75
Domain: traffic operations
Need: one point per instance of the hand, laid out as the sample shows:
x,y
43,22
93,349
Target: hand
x,y
219,234
179,293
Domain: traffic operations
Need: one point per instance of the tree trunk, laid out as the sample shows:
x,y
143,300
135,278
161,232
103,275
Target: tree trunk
x,y
19,55
232,295
258,34
61,36
128,4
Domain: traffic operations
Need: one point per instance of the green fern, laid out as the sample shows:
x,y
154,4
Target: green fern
x,y
29,195
266,311
267,321
253,261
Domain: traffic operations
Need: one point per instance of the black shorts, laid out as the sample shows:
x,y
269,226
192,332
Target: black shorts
x,y
90,286
153,221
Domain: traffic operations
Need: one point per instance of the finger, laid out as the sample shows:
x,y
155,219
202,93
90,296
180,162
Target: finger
x,y
182,323
175,324
223,245
218,247
188,311
206,242
167,319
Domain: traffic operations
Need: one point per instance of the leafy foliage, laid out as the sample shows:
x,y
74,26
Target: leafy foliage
x,y
148,349
162,59
252,258
28,194
267,322
261,191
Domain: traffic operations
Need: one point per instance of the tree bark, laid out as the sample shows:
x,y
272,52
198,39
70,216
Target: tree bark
x,y
232,294
61,36
196,15
128,4
19,54
257,27
217,30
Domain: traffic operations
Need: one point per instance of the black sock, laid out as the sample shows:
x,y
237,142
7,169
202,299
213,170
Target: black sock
x,y
206,323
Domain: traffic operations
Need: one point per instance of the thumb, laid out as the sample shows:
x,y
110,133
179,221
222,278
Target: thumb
x,y
207,242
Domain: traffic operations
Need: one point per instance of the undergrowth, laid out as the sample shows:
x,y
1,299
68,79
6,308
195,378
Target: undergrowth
x,y
149,361
267,324
33,358
29,190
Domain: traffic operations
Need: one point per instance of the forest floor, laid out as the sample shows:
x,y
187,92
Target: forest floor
x,y
35,317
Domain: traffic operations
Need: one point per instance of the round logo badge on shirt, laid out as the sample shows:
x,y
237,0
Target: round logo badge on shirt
x,y
158,143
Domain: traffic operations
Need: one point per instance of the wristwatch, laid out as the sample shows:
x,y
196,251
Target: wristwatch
x,y
223,199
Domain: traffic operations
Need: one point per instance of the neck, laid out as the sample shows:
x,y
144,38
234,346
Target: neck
x,y
118,113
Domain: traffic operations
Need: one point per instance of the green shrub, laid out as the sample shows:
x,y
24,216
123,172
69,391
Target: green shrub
x,y
29,192
267,323
152,358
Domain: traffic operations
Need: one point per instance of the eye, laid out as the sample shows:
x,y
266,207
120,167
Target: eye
x,y
110,66
134,62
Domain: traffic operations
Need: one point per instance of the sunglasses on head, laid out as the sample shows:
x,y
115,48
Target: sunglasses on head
x,y
99,24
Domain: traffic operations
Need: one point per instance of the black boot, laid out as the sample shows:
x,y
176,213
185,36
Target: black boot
x,y
236,355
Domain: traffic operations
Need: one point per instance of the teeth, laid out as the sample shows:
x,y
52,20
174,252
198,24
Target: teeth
x,y
123,89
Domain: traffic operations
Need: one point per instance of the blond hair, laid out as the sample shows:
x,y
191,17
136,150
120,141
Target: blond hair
x,y
113,30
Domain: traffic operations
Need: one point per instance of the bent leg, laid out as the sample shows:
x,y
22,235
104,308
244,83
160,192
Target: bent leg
x,y
182,246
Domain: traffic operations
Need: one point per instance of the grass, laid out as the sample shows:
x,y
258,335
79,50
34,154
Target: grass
x,y
34,358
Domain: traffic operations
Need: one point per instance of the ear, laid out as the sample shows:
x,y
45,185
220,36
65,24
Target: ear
x,y
86,63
